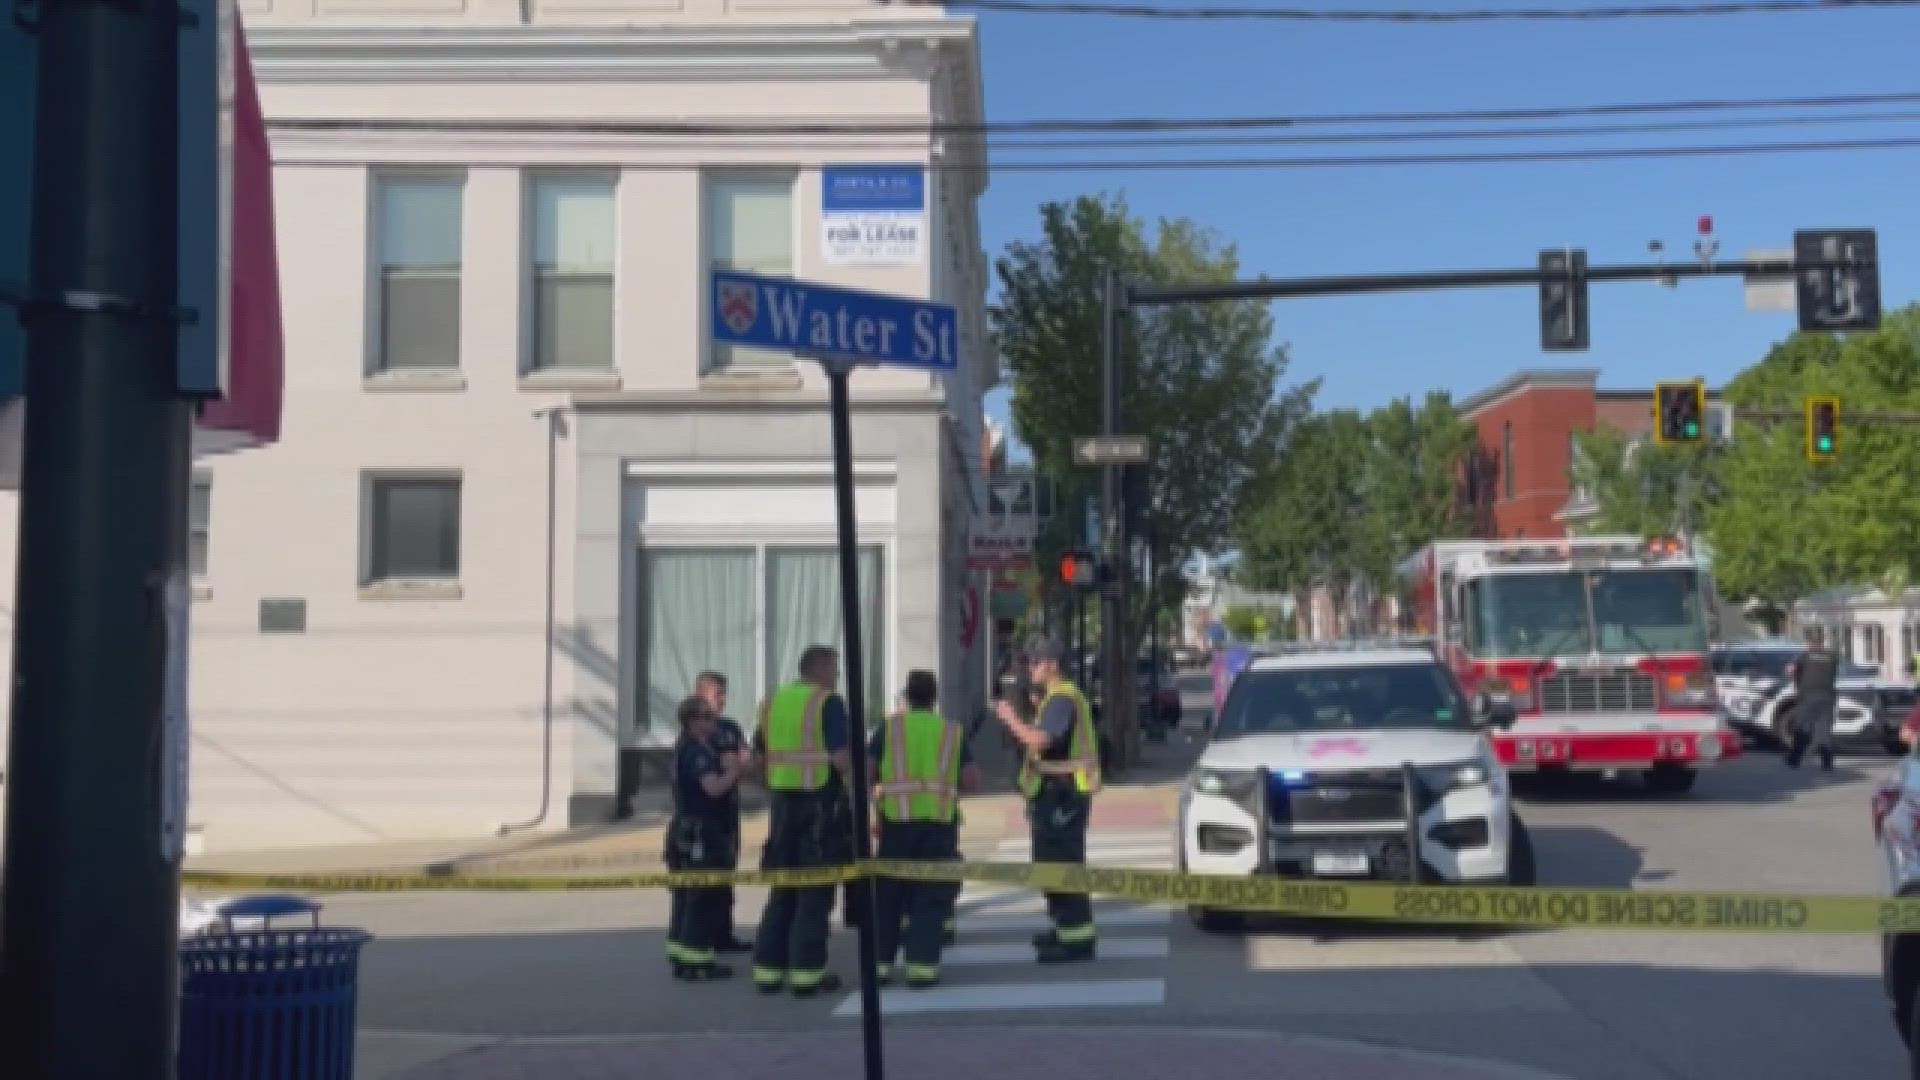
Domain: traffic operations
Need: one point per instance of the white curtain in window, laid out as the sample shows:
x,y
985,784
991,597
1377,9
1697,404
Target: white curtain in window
x,y
419,222
697,615
803,609
573,224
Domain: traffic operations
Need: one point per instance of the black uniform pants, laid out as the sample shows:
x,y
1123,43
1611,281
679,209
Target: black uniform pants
x,y
807,830
1057,817
697,842
728,932
1812,727
912,914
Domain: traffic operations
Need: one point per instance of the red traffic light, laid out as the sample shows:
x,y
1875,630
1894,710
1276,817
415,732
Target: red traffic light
x,y
1076,569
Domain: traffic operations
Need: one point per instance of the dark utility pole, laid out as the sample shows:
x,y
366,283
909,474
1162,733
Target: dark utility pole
x,y
91,919
1116,667
838,404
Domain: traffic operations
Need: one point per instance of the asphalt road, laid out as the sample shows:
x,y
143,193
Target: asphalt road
x,y
454,971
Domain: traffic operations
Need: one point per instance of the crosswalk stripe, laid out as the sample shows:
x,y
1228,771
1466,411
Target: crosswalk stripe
x,y
1098,993
1021,952
1034,921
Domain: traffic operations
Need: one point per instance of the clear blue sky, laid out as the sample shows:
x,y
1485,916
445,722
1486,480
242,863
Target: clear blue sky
x,y
1299,222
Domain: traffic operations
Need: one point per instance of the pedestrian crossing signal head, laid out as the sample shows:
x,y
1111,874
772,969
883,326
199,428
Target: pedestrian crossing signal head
x,y
1823,428
1680,412
1076,569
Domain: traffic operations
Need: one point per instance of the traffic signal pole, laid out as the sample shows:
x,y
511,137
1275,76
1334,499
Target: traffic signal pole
x,y
91,920
1116,670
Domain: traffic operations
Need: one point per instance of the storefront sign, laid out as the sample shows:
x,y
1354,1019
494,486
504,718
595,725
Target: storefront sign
x,y
873,215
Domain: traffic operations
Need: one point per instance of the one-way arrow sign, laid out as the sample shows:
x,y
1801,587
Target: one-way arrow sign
x,y
1111,450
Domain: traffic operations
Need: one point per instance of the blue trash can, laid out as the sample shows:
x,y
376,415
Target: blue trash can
x,y
269,1003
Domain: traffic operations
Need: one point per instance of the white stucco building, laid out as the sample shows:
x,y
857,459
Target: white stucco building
x,y
492,207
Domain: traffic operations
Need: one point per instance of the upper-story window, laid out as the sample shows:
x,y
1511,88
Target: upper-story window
x,y
750,228
1506,459
417,254
571,274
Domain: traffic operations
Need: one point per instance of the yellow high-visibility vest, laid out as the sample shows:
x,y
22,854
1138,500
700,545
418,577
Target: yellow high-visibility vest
x,y
1082,762
920,768
797,759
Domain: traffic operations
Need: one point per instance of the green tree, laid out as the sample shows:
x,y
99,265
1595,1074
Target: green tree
x,y
1414,466
1346,498
1202,382
1781,527
1641,487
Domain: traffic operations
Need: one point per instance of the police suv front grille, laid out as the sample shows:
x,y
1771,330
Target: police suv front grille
x,y
1607,691
1338,798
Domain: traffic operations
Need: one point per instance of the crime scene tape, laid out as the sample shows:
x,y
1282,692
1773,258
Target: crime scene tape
x,y
1660,911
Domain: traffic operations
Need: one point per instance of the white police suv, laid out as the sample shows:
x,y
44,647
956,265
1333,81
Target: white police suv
x,y
1356,762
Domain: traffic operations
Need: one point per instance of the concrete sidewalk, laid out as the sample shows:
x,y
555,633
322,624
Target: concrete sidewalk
x,y
950,1053
1147,801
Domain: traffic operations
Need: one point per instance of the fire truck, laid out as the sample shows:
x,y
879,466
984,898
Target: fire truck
x,y
1600,643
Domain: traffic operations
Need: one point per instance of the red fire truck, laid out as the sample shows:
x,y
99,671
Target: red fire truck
x,y
1599,642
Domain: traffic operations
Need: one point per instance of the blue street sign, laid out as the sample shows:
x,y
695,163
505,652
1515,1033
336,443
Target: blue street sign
x,y
826,322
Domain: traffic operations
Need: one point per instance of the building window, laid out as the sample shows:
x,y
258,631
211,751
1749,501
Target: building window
x,y
750,228
417,245
1873,644
1506,460
199,523
747,611
571,274
413,527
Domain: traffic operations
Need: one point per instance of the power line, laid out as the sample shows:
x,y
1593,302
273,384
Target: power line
x,y
1415,17
1513,157
1023,145
1363,161
1168,124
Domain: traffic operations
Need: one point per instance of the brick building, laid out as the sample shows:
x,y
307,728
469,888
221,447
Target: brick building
x,y
1520,480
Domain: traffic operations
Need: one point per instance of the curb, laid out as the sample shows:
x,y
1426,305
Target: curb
x,y
1376,1053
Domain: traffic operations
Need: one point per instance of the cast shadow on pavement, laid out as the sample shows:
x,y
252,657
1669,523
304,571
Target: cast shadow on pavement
x,y
1761,780
1429,992
1631,1018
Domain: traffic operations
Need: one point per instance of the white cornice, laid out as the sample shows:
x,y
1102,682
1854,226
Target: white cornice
x,y
861,48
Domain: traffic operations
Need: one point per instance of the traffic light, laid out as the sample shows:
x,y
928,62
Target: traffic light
x,y
1680,412
1077,570
1823,428
1563,301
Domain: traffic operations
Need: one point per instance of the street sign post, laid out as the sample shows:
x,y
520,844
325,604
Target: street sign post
x,y
1110,450
842,328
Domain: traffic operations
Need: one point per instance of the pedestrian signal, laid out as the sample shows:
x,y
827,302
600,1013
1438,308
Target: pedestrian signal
x,y
1077,570
1823,428
1680,412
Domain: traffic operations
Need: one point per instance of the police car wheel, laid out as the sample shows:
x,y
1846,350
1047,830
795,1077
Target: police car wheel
x,y
1520,868
1213,921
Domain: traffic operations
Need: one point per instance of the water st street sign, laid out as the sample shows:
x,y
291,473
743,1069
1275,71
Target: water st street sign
x,y
827,322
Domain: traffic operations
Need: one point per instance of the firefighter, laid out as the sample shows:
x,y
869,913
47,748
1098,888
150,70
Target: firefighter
x,y
1815,675
699,838
804,734
1059,774
711,687
920,767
